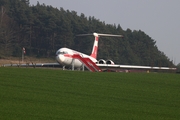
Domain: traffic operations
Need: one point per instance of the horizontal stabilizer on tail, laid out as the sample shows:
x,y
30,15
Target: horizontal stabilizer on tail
x,y
100,34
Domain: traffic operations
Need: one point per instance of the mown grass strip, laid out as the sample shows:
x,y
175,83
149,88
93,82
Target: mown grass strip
x,y
28,93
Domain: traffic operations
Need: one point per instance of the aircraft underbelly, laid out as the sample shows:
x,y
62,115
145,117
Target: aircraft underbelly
x,y
70,62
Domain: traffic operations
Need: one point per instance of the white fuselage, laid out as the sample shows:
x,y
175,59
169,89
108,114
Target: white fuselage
x,y
64,57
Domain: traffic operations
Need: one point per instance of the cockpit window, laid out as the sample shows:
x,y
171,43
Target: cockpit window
x,y
61,52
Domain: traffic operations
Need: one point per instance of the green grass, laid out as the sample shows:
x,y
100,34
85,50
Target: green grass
x,y
27,93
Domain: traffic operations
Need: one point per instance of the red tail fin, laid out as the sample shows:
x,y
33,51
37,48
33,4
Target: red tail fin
x,y
95,47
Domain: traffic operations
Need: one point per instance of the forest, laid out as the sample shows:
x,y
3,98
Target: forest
x,y
42,29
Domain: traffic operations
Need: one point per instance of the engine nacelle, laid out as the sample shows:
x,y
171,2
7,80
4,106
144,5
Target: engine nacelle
x,y
109,62
101,61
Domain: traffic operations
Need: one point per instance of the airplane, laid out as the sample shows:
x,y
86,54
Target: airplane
x,y
65,57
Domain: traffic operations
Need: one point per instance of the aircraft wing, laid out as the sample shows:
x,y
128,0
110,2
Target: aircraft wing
x,y
102,66
128,67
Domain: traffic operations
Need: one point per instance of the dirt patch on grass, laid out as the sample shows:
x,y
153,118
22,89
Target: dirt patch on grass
x,y
26,60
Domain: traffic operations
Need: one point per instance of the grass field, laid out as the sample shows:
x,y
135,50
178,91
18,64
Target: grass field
x,y
44,94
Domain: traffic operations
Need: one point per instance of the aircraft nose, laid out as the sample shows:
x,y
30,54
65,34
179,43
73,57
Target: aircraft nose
x,y
60,58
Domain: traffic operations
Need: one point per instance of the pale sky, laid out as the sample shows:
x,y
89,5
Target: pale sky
x,y
160,19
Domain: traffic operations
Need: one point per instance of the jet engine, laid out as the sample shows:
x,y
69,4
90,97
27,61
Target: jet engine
x,y
101,61
109,62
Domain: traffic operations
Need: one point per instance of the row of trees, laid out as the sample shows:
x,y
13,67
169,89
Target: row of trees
x,y
43,29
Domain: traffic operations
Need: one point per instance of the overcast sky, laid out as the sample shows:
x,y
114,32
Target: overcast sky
x,y
160,19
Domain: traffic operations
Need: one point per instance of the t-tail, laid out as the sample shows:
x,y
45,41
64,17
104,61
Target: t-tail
x,y
95,46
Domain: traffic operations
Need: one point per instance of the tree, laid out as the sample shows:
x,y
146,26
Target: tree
x,y
43,29
178,68
7,35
